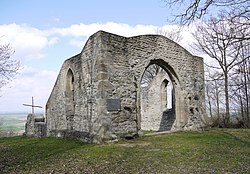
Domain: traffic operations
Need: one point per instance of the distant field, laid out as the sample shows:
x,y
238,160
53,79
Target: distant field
x,y
213,151
13,122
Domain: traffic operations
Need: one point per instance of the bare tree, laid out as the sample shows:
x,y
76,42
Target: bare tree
x,y
214,96
8,66
214,91
196,9
241,85
221,39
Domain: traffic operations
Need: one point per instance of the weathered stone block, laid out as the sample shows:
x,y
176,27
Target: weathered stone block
x,y
35,126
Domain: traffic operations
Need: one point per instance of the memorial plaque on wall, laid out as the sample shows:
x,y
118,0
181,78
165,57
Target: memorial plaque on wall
x,y
113,104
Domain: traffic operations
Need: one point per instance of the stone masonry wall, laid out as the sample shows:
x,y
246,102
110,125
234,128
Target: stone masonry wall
x,y
106,87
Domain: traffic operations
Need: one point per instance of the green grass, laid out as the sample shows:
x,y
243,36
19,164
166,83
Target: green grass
x,y
148,131
212,151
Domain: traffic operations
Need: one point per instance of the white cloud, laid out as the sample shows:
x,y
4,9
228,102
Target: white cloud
x,y
52,40
31,43
28,42
30,82
79,30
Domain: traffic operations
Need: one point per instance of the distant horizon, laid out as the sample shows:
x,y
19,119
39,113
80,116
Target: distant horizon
x,y
2,113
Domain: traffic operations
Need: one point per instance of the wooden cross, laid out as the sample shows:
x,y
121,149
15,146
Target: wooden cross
x,y
33,106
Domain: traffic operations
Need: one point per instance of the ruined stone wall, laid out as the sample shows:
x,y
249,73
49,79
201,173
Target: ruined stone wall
x,y
117,83
125,60
195,97
80,121
35,126
56,117
107,75
187,71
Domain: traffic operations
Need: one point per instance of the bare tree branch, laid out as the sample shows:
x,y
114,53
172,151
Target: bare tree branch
x,y
222,39
8,67
197,9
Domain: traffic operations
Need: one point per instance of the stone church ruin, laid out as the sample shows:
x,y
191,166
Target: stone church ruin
x,y
100,95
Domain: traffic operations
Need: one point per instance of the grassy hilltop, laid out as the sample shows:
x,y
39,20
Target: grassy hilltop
x,y
212,151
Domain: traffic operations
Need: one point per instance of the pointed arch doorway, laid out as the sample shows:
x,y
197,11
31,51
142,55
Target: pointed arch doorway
x,y
159,97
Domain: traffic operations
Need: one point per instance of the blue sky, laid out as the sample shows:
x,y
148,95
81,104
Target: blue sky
x,y
44,33
61,13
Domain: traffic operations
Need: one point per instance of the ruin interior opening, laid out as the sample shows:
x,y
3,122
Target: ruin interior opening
x,y
157,99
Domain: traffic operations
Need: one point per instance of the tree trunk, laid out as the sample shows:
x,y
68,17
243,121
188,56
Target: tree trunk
x,y
227,114
209,104
246,117
218,106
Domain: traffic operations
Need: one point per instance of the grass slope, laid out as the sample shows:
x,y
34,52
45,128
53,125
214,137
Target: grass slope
x,y
213,151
